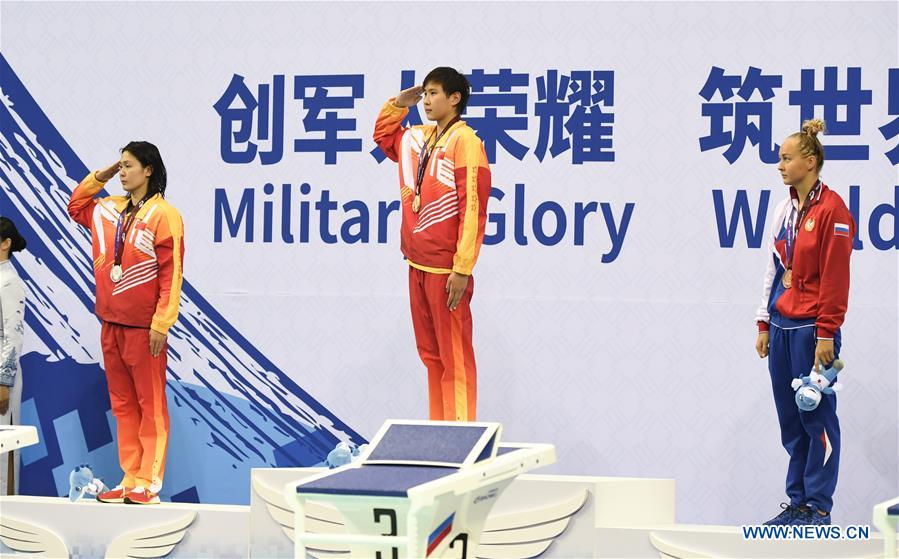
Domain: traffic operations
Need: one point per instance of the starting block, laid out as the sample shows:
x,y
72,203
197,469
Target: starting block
x,y
14,437
421,489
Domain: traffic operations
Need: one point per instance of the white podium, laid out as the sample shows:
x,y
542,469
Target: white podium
x,y
13,437
422,489
886,519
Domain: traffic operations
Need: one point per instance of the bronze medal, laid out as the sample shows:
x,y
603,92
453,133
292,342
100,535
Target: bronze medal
x,y
787,279
416,203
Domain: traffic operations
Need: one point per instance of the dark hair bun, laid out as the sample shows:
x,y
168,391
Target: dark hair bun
x,y
8,231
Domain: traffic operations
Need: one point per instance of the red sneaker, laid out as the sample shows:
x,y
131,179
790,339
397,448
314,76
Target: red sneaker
x,y
115,495
141,496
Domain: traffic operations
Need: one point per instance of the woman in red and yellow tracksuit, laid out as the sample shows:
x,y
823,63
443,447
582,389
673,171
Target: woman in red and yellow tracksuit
x,y
444,188
138,248
805,296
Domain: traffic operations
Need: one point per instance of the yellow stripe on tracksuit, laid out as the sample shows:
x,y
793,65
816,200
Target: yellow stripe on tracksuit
x,y
460,380
165,316
162,439
429,269
470,155
167,307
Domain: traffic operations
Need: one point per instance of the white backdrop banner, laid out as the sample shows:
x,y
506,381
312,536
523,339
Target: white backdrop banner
x,y
633,148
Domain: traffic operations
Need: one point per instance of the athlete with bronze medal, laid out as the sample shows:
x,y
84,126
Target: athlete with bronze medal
x,y
799,330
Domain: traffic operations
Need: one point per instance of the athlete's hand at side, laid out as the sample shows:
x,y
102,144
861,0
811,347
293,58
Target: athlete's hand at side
x,y
761,344
455,287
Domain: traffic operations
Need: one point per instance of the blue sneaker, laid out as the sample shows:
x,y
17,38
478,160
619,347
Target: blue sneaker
x,y
809,516
788,516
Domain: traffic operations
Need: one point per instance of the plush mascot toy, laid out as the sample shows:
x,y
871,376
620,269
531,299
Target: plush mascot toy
x,y
82,481
343,455
809,389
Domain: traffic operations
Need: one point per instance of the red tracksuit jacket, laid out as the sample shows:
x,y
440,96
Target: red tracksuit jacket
x,y
150,290
447,233
820,281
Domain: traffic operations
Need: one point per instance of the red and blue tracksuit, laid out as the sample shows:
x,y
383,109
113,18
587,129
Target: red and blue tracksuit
x,y
811,309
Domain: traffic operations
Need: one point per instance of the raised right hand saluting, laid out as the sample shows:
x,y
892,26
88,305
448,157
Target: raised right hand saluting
x,y
108,172
409,97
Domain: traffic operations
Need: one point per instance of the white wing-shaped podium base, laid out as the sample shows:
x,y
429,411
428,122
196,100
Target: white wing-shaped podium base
x,y
727,542
422,489
547,516
55,527
14,437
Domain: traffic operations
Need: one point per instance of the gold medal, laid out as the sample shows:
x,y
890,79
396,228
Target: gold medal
x,y
424,155
787,279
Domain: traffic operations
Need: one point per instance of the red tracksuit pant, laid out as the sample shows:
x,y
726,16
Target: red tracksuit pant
x,y
136,382
444,345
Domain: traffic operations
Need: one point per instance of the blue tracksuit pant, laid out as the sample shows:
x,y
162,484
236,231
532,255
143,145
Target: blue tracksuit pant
x,y
812,439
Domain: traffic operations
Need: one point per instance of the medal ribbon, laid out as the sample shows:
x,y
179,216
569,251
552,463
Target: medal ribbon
x,y
795,221
123,225
425,155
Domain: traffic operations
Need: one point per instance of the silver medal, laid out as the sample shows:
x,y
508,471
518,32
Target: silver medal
x,y
115,274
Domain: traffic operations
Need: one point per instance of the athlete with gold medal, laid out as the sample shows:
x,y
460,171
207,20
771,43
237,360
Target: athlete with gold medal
x,y
444,188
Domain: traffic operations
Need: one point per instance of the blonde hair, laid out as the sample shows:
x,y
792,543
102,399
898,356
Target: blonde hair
x,y
808,140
